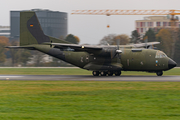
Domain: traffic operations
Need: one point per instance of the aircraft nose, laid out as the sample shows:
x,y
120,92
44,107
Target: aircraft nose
x,y
171,63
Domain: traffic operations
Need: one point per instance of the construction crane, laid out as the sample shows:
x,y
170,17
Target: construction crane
x,y
109,12
127,12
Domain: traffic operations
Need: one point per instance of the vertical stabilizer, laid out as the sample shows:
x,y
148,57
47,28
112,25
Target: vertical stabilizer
x,y
31,31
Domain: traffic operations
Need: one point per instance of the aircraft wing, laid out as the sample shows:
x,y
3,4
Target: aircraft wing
x,y
77,47
145,44
93,48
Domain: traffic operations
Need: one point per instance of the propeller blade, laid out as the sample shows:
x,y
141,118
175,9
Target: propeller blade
x,y
118,43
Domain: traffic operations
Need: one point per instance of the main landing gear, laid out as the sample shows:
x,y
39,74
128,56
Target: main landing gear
x,y
104,73
95,73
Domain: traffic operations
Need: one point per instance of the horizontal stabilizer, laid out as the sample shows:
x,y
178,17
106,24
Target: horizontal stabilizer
x,y
21,47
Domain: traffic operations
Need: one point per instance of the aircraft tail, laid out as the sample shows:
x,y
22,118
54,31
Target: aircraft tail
x,y
31,31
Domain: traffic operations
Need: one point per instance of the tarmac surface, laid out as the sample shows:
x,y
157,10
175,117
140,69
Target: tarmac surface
x,y
90,78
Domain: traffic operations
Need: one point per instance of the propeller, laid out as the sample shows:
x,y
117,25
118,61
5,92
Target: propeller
x,y
117,51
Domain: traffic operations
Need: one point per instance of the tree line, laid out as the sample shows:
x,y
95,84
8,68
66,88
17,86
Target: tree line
x,y
169,43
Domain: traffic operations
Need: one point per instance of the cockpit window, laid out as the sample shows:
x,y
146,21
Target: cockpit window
x,y
160,54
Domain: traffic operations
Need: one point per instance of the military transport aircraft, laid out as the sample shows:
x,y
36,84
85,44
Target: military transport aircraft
x,y
101,60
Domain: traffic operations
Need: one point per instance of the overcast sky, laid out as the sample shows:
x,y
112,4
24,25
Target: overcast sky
x,y
89,28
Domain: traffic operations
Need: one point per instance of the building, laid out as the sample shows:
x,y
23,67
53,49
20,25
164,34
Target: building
x,y
153,22
5,31
53,23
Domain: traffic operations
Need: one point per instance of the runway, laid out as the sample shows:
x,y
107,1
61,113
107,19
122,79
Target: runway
x,y
90,78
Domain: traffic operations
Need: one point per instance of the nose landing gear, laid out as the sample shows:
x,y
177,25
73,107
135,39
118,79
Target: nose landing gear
x,y
117,73
159,73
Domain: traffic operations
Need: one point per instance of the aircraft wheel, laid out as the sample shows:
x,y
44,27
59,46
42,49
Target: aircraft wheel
x,y
95,73
103,73
159,73
110,73
118,73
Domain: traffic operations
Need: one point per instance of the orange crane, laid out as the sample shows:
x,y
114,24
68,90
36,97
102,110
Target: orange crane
x,y
127,12
109,12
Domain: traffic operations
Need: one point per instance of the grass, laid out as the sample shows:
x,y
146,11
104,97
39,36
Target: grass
x,y
70,71
44,71
89,100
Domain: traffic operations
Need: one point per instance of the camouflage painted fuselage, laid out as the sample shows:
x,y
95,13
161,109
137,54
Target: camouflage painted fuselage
x,y
105,59
129,59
